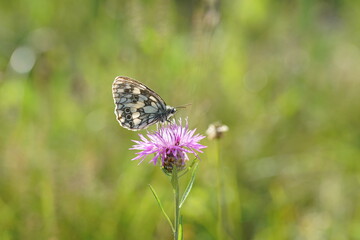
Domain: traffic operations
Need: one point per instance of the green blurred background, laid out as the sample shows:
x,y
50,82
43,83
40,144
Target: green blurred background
x,y
283,75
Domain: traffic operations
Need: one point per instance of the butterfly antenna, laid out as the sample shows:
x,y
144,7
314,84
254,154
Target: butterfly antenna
x,y
184,106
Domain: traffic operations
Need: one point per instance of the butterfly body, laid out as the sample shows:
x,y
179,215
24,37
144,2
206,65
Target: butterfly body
x,y
137,106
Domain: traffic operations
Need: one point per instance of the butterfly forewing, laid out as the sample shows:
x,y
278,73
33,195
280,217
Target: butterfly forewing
x,y
136,105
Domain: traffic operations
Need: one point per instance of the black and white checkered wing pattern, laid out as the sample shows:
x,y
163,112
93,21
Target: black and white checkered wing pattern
x,y
136,105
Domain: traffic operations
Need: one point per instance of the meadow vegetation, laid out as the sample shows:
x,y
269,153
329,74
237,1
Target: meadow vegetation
x,y
283,75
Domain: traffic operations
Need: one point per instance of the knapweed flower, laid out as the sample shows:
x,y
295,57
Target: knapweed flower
x,y
216,130
171,144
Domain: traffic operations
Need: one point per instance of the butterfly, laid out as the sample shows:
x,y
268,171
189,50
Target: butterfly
x,y
137,106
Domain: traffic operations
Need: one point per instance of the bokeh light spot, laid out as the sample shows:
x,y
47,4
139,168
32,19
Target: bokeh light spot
x,y
23,59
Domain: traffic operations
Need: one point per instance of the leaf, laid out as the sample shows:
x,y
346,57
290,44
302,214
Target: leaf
x,y
161,207
189,186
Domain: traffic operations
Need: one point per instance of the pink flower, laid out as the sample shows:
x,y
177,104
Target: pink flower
x,y
171,143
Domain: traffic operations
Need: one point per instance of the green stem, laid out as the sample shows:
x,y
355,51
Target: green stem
x,y
177,203
220,234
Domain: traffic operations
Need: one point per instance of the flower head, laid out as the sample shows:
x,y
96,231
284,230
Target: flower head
x,y
216,130
171,143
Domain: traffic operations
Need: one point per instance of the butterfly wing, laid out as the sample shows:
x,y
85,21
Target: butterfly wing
x,y
136,105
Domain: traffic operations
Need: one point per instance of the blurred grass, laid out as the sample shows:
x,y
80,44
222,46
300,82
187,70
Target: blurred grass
x,y
283,75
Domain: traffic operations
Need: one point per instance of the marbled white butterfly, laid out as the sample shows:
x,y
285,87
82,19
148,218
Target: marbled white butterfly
x,y
137,106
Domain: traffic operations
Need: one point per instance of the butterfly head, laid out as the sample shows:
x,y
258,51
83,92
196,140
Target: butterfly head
x,y
170,111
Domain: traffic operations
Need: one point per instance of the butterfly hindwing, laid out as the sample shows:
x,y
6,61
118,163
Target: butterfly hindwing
x,y
136,105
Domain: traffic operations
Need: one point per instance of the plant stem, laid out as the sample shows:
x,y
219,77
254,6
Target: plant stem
x,y
177,203
220,233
